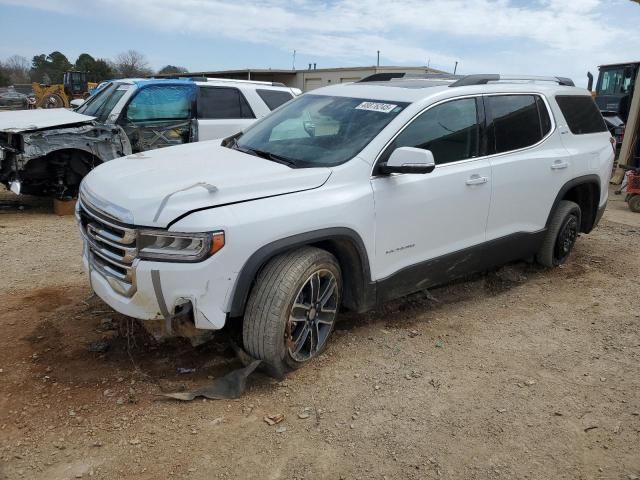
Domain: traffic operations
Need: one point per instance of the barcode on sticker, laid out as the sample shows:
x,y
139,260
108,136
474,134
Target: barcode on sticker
x,y
376,107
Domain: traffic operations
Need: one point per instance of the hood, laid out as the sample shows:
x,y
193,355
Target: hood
x,y
154,188
24,120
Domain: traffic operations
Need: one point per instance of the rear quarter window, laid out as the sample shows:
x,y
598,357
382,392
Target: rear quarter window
x,y
519,121
274,98
581,113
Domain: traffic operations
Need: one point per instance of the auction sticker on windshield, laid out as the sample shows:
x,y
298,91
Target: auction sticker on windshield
x,y
376,107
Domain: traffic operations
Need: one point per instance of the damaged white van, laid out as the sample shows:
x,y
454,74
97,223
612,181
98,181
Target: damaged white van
x,y
346,197
48,152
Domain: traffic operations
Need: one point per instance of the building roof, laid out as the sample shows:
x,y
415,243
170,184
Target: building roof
x,y
276,71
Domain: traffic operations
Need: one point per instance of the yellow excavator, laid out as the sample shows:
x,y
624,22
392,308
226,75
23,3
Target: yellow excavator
x,y
74,85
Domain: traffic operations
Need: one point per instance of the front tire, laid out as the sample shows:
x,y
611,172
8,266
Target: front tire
x,y
561,235
292,309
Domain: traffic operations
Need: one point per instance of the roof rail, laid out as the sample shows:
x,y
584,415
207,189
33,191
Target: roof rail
x,y
233,80
388,76
211,79
483,79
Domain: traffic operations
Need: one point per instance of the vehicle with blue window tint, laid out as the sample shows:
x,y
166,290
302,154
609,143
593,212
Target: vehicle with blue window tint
x,y
48,152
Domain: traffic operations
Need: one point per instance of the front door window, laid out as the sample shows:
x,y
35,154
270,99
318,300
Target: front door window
x,y
159,116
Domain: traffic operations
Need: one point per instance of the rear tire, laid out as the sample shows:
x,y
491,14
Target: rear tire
x,y
292,309
561,235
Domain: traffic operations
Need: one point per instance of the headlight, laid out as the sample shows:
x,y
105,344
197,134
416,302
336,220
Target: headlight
x,y
178,247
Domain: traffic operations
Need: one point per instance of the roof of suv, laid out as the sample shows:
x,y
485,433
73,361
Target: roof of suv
x,y
415,89
217,82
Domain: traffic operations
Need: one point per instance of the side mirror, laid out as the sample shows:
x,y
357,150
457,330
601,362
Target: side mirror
x,y
409,160
76,102
589,81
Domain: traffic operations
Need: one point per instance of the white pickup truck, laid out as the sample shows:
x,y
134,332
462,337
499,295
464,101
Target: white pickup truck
x,y
48,152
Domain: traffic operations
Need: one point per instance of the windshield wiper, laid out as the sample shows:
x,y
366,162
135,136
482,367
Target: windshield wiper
x,y
268,155
261,153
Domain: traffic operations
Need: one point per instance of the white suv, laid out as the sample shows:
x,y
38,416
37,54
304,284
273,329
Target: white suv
x,y
346,197
48,151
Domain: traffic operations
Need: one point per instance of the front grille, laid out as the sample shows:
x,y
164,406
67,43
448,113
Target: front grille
x,y
112,246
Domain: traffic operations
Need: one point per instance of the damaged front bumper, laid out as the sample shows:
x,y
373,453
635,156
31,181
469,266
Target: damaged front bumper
x,y
164,290
144,289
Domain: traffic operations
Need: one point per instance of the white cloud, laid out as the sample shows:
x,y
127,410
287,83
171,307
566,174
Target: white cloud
x,y
543,34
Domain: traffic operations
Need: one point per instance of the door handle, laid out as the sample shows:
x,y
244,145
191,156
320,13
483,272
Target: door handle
x,y
476,180
559,165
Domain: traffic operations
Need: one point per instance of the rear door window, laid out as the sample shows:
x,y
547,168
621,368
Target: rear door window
x,y
516,122
582,114
274,98
222,103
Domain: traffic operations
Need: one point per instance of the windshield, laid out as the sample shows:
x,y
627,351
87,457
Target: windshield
x,y
318,130
617,81
101,104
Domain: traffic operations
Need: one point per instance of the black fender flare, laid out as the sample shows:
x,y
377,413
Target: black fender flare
x,y
260,257
574,182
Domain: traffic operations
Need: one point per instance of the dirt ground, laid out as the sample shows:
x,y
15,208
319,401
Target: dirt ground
x,y
520,373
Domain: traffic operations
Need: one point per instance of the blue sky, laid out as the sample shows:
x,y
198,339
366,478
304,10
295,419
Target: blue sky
x,y
545,37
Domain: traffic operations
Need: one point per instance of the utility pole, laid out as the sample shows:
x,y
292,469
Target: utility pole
x,y
455,68
294,61
378,63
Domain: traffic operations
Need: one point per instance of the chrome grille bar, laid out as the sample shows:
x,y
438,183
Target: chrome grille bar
x,y
112,247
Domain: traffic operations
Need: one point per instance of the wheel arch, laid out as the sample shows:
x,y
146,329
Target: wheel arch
x,y
76,149
585,191
58,164
344,243
53,153
78,160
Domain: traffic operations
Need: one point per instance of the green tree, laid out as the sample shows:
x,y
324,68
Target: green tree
x,y
85,63
58,65
50,66
38,67
103,70
171,70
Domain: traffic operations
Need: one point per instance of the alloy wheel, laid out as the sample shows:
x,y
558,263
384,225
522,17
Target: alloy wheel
x,y
312,316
